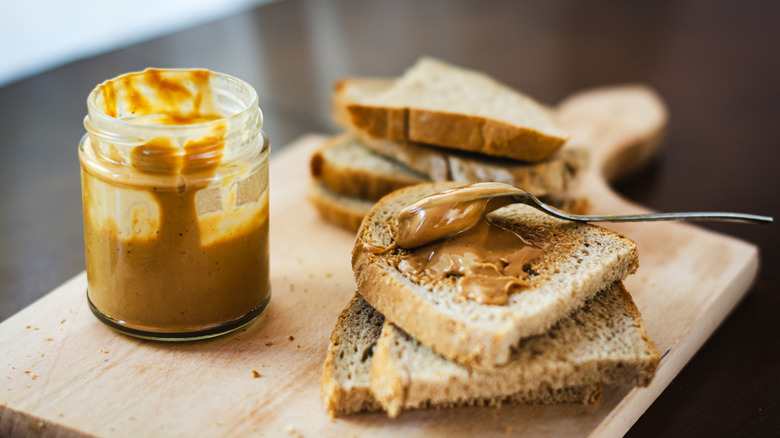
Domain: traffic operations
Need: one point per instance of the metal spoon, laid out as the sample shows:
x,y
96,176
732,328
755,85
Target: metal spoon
x,y
452,211
521,196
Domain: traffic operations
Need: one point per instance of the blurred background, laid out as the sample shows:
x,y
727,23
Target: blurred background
x,y
37,35
716,64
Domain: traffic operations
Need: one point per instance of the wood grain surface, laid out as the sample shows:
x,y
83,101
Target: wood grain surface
x,y
69,375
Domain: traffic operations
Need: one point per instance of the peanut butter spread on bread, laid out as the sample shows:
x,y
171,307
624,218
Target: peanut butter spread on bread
x,y
449,238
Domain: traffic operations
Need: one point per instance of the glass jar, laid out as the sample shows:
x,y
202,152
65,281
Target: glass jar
x,y
175,195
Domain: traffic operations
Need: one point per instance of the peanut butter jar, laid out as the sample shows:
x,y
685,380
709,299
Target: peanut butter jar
x,y
174,172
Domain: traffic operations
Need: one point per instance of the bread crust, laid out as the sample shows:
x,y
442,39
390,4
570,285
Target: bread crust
x,y
379,384
334,210
449,336
556,174
394,110
604,342
457,131
339,397
353,180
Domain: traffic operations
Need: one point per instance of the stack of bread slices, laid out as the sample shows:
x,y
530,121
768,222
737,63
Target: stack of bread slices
x,y
436,123
408,341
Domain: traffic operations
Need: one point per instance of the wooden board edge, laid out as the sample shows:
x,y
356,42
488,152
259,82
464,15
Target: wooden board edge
x,y
634,405
17,423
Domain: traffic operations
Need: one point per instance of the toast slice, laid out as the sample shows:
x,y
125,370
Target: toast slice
x,y
369,169
440,104
348,379
603,342
343,210
346,376
552,175
346,167
576,261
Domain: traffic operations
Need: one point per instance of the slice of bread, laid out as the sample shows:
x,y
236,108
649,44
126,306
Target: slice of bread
x,y
345,166
347,376
577,260
552,175
437,103
369,168
347,91
343,210
603,342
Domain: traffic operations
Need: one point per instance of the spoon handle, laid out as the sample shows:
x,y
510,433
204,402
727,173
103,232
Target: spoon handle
x,y
693,216
647,217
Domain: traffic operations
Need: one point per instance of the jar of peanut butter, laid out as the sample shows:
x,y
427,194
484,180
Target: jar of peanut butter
x,y
175,195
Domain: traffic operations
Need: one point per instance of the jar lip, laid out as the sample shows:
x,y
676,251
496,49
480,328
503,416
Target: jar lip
x,y
94,110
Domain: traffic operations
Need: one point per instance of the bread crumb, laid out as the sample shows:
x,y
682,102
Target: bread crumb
x,y
292,338
268,344
255,374
63,321
290,429
49,339
27,327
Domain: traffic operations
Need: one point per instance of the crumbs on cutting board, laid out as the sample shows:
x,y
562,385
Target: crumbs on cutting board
x,y
255,374
292,431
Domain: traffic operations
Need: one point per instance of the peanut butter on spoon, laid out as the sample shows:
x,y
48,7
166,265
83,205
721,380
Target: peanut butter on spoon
x,y
445,213
450,239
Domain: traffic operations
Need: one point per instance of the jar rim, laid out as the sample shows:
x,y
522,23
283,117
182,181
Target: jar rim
x,y
98,114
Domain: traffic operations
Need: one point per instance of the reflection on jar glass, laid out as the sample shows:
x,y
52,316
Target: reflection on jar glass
x,y
175,193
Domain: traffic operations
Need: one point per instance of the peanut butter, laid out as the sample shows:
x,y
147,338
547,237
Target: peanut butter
x,y
451,240
445,213
176,230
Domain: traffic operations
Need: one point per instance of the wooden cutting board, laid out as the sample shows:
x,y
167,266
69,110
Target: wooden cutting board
x,y
66,374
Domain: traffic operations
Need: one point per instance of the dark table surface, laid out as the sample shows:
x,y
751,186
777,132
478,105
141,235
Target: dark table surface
x,y
717,65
